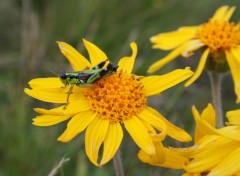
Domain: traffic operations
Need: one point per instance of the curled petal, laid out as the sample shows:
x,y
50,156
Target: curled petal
x,y
172,130
173,159
157,159
126,63
152,132
154,121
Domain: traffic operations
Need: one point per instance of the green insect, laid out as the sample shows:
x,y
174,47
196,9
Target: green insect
x,y
86,77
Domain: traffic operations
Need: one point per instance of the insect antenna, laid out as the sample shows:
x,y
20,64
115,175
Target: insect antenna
x,y
54,73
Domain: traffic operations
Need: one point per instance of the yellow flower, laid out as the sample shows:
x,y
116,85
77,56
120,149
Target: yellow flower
x,y
219,39
110,103
216,152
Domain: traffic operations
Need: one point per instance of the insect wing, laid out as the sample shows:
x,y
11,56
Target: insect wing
x,y
100,65
82,78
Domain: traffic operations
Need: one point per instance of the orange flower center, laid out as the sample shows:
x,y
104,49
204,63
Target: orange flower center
x,y
219,35
117,97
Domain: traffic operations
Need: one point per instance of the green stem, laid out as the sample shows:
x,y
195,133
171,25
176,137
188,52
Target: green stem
x,y
118,164
216,96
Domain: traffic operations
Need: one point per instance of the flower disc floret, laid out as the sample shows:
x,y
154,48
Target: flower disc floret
x,y
117,97
219,35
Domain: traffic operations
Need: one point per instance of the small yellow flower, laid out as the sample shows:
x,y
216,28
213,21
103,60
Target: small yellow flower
x,y
216,152
110,103
219,39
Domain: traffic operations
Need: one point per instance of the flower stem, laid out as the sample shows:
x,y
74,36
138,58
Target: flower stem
x,y
118,164
216,96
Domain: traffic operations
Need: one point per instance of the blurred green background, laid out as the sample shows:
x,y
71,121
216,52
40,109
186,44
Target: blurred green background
x,y
29,29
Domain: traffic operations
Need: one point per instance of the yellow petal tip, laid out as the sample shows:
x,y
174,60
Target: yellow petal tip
x,y
59,44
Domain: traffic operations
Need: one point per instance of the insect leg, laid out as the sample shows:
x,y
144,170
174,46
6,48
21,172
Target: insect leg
x,y
68,94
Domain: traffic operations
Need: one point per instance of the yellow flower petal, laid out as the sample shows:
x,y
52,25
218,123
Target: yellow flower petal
x,y
46,83
158,158
185,49
156,84
59,111
209,159
96,55
48,120
236,52
173,160
139,134
172,130
112,142
231,132
95,134
76,125
223,13
54,85
199,69
235,71
57,96
229,13
229,166
153,133
71,109
126,63
158,123
209,116
171,40
191,46
159,64
54,97
203,127
205,144
234,117
77,61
